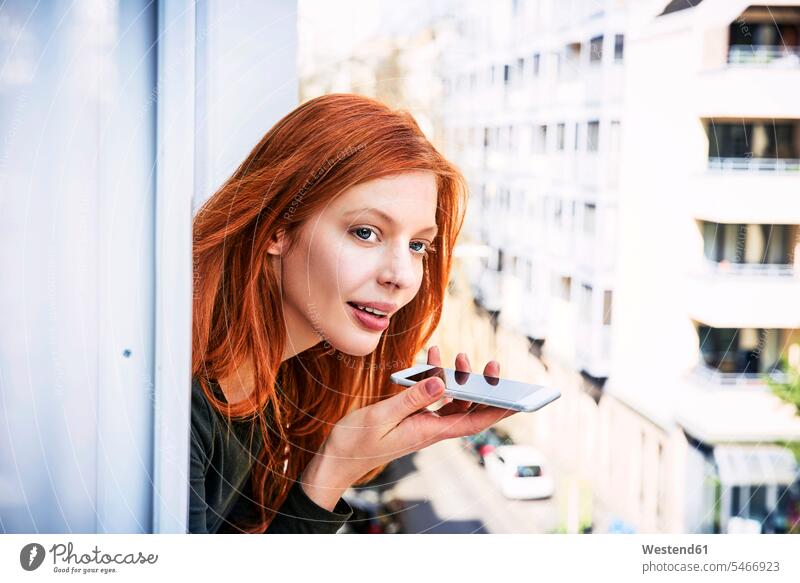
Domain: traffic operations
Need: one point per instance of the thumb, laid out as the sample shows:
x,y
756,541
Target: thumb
x,y
424,393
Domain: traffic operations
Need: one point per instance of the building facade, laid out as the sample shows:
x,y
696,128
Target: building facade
x,y
634,170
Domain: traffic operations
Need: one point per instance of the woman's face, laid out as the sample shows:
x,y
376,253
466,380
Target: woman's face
x,y
366,247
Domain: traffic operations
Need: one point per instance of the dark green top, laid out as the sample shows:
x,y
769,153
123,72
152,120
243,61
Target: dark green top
x,y
222,454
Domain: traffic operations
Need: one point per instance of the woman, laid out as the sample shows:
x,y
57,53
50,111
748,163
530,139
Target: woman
x,y
343,208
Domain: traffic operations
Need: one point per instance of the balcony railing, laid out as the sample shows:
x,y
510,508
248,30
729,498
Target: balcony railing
x,y
737,379
764,55
750,269
749,164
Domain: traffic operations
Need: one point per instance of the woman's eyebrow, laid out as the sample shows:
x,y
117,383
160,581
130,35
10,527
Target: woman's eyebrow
x,y
387,218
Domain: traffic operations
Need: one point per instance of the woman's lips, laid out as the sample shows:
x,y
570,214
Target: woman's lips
x,y
370,321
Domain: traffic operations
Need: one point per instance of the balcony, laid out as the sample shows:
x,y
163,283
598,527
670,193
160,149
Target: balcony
x,y
754,71
764,55
748,164
741,357
729,295
746,380
728,193
753,171
765,35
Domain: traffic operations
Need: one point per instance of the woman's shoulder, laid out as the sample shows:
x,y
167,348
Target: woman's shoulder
x,y
202,417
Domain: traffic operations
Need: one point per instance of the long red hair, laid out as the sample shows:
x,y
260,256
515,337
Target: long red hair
x,y
323,147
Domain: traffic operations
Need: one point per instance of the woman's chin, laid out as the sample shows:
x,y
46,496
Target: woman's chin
x,y
360,347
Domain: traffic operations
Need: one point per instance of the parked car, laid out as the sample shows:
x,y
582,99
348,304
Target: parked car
x,y
520,471
485,441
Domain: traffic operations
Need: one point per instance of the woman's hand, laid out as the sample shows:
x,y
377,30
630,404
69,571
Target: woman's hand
x,y
377,434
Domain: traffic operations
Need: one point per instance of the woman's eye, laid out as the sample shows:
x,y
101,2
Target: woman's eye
x,y
424,249
361,230
364,233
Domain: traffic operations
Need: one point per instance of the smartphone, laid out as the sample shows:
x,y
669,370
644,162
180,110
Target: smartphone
x,y
480,388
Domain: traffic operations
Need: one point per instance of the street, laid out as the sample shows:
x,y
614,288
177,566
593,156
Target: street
x,y
444,490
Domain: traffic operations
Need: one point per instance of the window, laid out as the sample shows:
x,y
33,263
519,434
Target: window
x,y
560,130
586,302
736,501
592,136
506,74
536,64
540,139
529,471
562,287
589,212
607,303
619,47
615,137
596,50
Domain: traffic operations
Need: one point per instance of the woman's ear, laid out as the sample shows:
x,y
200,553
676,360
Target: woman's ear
x,y
277,242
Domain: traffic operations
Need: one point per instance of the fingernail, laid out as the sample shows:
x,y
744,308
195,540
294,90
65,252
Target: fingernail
x,y
432,386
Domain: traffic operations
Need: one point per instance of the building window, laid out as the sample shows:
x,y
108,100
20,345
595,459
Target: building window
x,y
619,47
596,50
608,296
540,139
577,136
592,136
560,130
589,212
586,302
536,64
506,74
562,287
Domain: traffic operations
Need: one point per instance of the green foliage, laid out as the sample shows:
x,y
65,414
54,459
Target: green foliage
x,y
790,390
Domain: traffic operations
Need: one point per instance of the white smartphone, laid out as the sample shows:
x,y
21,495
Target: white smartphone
x,y
480,388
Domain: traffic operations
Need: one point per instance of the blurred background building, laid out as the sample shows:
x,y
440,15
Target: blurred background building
x,y
633,170
632,238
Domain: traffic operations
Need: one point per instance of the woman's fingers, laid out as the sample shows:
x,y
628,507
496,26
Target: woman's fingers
x,y
390,412
492,369
434,357
457,405
433,428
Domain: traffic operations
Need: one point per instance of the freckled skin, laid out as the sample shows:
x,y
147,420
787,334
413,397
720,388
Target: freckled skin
x,y
361,256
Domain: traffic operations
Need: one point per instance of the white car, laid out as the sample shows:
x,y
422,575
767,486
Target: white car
x,y
520,471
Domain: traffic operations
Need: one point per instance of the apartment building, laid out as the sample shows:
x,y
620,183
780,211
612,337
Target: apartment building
x,y
634,168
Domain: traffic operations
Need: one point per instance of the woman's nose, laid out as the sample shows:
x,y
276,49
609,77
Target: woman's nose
x,y
398,266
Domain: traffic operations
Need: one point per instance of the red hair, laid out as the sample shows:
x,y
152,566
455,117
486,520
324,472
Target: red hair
x,y
321,148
